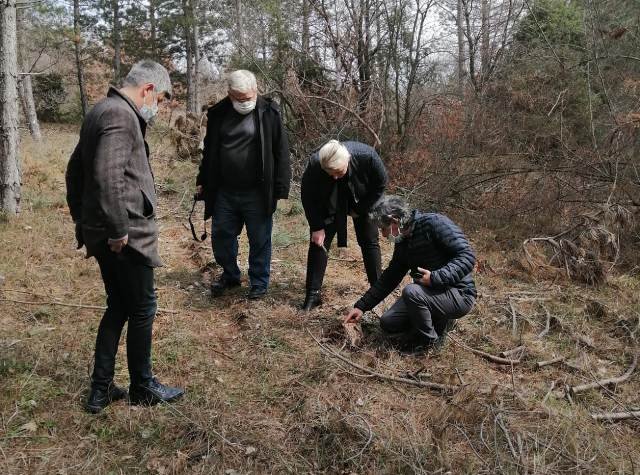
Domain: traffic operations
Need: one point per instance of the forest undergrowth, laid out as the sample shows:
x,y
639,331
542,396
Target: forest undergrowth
x,y
272,390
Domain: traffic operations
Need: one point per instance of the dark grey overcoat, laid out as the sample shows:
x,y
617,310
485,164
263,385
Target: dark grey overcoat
x,y
110,185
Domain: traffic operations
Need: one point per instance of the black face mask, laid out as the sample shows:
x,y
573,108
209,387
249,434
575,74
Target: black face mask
x,y
193,228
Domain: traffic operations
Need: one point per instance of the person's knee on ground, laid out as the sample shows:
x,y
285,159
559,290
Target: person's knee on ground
x,y
393,325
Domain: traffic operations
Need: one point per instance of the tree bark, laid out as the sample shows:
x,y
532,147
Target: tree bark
x,y
9,164
25,87
414,61
306,14
153,22
79,69
195,40
485,26
239,25
188,38
460,30
116,39
29,107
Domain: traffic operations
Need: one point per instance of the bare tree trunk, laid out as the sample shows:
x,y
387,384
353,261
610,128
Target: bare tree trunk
x,y
79,68
153,22
415,53
25,87
188,38
29,107
471,42
196,57
306,14
116,39
460,29
239,25
485,26
9,164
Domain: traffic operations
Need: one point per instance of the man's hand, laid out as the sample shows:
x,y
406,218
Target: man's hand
x,y
354,316
199,191
317,237
426,277
116,245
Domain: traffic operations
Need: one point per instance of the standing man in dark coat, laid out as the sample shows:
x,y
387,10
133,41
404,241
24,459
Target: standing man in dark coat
x,y
440,259
245,170
111,195
341,179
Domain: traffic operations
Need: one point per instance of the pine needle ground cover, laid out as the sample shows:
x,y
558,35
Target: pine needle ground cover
x,y
265,391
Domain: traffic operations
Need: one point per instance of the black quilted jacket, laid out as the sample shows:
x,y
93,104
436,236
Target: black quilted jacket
x,y
436,244
367,179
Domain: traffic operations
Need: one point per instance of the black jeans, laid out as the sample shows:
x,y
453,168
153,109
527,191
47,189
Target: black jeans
x,y
367,236
130,296
422,312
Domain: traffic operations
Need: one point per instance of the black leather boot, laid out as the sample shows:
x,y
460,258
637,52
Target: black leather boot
x,y
220,286
312,300
153,392
100,398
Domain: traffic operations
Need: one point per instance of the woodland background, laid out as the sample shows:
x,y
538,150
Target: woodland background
x,y
518,118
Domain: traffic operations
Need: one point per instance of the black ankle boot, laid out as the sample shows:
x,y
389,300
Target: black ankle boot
x,y
153,392
100,398
220,286
312,300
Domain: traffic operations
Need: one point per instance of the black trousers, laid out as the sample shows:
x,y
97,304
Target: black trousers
x,y
367,237
130,297
422,312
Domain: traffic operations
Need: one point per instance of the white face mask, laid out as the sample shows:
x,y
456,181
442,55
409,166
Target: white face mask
x,y
148,113
394,239
245,107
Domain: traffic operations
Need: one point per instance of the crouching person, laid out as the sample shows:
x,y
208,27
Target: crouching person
x,y
440,259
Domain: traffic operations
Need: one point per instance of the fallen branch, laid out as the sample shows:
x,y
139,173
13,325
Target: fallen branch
x,y
76,305
547,326
444,388
603,383
488,356
518,350
344,259
615,416
514,320
555,322
541,364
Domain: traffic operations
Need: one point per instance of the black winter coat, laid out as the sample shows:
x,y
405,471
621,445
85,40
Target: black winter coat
x,y
435,244
366,178
274,148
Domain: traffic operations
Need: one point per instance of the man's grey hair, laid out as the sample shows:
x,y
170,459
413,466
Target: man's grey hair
x,y
333,156
148,71
391,207
242,81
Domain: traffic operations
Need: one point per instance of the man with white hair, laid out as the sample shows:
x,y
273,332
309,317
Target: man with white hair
x,y
245,170
341,179
112,199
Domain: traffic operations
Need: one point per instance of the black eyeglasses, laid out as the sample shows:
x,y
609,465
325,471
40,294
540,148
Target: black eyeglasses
x,y
193,228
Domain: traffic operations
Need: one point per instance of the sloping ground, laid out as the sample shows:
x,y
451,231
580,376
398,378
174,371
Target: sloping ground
x,y
263,396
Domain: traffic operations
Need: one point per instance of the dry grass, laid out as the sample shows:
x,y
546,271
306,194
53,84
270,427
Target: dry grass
x,y
261,396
